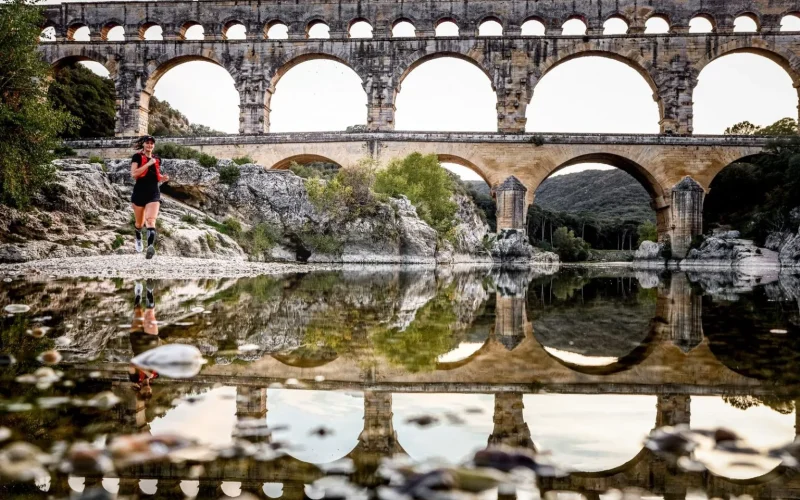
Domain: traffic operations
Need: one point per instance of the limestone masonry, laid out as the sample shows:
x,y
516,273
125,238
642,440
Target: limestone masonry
x,y
670,63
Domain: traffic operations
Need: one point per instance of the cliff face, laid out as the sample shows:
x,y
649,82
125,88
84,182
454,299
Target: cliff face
x,y
87,212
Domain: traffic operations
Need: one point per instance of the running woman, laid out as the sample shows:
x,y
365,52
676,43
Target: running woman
x,y
144,336
146,197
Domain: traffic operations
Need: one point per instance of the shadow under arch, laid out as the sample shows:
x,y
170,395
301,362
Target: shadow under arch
x,y
299,361
636,356
627,165
285,163
463,162
84,56
723,166
452,365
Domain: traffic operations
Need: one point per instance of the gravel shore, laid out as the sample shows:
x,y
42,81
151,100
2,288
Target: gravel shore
x,y
160,267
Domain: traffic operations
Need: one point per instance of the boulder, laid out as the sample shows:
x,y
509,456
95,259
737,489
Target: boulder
x,y
649,250
512,246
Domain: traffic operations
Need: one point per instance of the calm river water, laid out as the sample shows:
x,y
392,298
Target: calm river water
x,y
313,382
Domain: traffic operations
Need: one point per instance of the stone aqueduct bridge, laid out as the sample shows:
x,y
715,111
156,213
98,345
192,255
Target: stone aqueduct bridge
x,y
669,63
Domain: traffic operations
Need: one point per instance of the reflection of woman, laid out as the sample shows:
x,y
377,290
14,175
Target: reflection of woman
x,y
144,336
146,197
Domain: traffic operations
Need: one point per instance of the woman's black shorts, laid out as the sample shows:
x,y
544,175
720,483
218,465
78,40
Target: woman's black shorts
x,y
141,199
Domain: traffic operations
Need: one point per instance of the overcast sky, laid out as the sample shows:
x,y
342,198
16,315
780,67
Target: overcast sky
x,y
590,94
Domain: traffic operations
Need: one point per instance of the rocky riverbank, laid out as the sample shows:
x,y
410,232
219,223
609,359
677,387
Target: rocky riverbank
x,y
257,215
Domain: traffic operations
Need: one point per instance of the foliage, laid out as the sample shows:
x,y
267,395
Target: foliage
x,y
348,195
165,120
64,151
232,227
481,196
319,169
647,232
569,247
243,160
118,242
211,241
229,175
255,241
430,335
176,151
782,127
95,159
322,243
88,97
426,184
189,218
29,123
757,195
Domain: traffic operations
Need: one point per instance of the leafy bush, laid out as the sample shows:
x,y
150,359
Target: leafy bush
x,y
176,151
242,160
426,184
259,239
323,243
569,247
319,169
348,194
207,160
118,242
95,159
331,196
189,218
211,241
229,175
360,178
232,227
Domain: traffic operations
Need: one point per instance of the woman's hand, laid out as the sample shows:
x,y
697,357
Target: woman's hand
x,y
164,178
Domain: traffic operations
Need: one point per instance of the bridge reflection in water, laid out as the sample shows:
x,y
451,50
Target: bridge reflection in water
x,y
527,374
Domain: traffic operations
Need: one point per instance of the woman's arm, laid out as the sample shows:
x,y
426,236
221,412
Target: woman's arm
x,y
137,171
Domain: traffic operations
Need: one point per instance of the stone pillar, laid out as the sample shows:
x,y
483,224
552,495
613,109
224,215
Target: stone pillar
x,y
685,314
253,97
378,435
169,488
251,402
133,102
209,488
510,317
674,98
380,91
686,215
509,425
511,204
512,101
293,491
128,487
673,409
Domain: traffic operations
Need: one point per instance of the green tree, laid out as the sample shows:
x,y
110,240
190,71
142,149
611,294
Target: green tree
x,y
569,247
426,184
782,127
647,232
86,96
29,123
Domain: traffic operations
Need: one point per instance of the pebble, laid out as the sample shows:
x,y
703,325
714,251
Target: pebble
x,y
17,308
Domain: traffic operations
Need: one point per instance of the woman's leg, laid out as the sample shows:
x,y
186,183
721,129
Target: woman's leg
x,y
138,216
150,217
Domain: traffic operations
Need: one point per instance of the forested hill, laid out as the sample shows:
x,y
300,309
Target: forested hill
x,y
605,194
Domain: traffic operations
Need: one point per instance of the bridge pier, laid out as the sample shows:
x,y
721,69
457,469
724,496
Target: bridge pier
x,y
509,424
251,402
254,94
685,313
673,409
686,215
511,205
511,323
133,102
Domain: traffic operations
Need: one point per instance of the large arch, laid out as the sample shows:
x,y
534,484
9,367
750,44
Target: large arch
x,y
158,68
302,159
351,71
406,112
787,61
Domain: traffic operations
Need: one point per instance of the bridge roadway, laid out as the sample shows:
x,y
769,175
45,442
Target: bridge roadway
x,y
659,162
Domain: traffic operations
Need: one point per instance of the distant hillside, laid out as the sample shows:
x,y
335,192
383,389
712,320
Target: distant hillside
x,y
168,121
605,194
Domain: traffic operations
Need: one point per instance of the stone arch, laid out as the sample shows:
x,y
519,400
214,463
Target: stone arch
x,y
459,160
271,24
110,25
708,16
230,23
447,19
490,18
405,19
575,17
186,25
159,67
634,169
789,13
357,20
86,55
301,362
535,19
73,28
755,17
620,17
453,365
147,25
632,60
415,59
314,21
301,158
49,25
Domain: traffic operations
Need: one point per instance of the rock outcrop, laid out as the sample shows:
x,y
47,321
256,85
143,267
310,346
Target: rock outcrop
x,y
726,249
513,247
86,212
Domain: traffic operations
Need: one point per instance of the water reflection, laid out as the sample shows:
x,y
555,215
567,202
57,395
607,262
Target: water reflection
x,y
345,365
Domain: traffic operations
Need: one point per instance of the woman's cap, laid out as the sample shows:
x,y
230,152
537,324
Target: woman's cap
x,y
148,138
